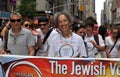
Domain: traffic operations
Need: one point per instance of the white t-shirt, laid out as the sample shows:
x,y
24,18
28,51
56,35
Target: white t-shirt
x,y
109,44
43,52
1,44
67,47
90,47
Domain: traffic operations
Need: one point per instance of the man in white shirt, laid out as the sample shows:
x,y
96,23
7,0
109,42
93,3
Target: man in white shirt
x,y
44,30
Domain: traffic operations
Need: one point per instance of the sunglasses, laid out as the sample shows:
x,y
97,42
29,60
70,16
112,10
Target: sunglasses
x,y
15,20
81,32
26,25
42,24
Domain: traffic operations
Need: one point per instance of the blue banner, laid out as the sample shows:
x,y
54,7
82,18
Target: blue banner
x,y
4,14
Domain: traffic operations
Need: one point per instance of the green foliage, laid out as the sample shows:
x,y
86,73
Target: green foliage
x,y
91,19
27,8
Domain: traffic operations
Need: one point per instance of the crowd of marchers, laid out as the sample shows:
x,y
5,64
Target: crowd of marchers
x,y
59,35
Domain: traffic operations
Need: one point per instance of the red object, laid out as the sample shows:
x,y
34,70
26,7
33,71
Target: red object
x,y
96,25
95,32
36,21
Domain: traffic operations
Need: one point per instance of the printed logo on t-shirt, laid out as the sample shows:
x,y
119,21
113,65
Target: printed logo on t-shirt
x,y
66,50
89,46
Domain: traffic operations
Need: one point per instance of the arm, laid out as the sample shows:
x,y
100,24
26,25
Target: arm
x,y
39,42
3,51
7,26
102,48
101,45
31,50
107,52
119,53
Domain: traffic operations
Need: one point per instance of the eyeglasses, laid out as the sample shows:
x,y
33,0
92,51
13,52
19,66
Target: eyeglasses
x,y
42,24
81,32
26,25
15,20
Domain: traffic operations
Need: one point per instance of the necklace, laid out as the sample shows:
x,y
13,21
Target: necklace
x,y
66,40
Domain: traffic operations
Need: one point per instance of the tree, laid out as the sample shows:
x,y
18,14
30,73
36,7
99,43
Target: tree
x,y
27,8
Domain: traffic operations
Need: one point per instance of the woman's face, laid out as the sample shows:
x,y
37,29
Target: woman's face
x,y
26,24
81,32
114,32
63,22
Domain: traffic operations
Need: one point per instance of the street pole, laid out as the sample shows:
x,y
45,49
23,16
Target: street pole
x,y
13,5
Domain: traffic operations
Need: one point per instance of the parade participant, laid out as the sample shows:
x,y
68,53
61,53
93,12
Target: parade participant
x,y
6,28
66,43
26,23
20,41
95,31
103,31
80,30
45,36
113,43
90,39
1,39
51,21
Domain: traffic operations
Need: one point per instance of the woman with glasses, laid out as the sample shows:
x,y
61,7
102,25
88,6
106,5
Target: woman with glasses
x,y
66,43
113,43
26,23
19,40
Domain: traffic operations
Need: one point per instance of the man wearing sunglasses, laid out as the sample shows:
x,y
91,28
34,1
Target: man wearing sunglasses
x,y
20,41
46,34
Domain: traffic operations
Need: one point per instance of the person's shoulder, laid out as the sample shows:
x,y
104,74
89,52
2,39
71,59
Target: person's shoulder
x,y
99,36
118,38
26,31
107,38
76,36
54,31
54,39
57,35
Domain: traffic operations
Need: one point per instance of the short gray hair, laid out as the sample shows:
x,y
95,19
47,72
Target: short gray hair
x,y
66,13
15,13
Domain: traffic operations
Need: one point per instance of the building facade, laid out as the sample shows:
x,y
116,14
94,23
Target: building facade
x,y
3,5
116,11
108,5
112,12
80,8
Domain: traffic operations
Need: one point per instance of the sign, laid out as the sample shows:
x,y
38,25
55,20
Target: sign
x,y
118,12
81,8
4,14
21,66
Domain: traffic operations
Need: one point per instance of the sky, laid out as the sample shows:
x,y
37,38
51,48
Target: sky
x,y
98,7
